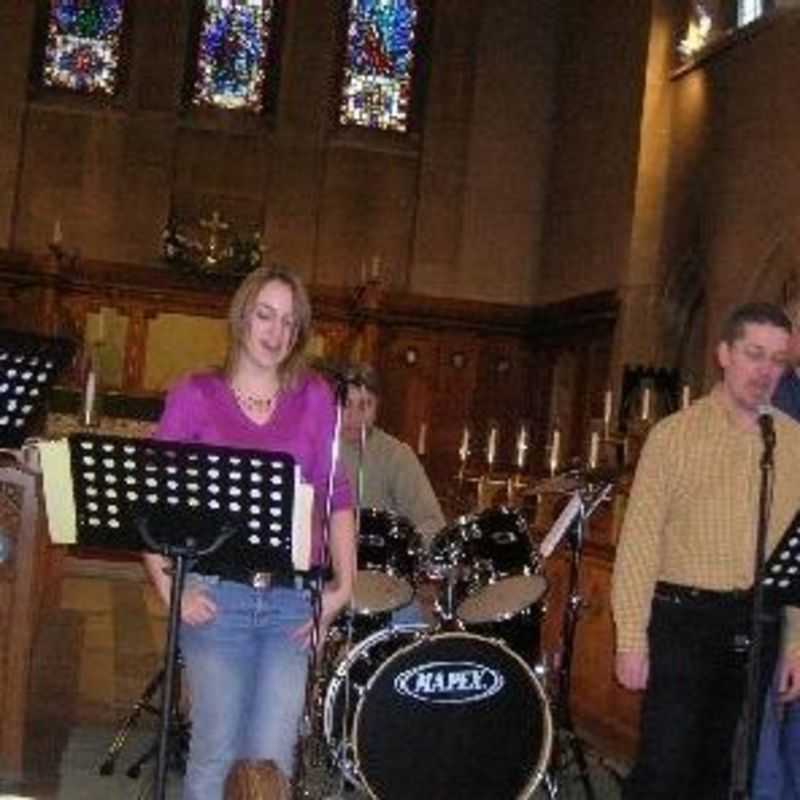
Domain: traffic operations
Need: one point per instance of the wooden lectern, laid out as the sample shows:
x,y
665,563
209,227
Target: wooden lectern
x,y
28,586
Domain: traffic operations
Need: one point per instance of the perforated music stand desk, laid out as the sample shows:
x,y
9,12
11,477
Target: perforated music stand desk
x,y
29,363
782,571
214,506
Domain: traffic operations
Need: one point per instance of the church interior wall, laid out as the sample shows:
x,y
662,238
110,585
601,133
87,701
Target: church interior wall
x,y
600,87
464,191
753,198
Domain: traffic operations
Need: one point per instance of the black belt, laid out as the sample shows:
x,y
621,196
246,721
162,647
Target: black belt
x,y
271,580
692,596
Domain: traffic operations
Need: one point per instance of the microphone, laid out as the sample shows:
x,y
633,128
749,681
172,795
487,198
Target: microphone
x,y
766,423
341,389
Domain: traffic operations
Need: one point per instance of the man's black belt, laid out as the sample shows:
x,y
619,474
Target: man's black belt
x,y
693,596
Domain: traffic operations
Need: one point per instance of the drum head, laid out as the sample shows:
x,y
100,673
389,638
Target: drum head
x,y
502,599
375,592
452,716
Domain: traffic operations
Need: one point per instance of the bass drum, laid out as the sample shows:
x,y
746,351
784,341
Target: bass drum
x,y
445,715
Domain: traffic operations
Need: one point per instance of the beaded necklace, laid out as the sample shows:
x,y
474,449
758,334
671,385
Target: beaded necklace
x,y
257,404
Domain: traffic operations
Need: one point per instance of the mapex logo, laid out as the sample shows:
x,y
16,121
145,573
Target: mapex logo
x,y
449,682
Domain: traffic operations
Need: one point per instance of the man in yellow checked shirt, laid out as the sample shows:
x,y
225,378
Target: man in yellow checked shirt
x,y
682,583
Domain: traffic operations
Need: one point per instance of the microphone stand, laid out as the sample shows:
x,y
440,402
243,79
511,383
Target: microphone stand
x,y
311,741
750,733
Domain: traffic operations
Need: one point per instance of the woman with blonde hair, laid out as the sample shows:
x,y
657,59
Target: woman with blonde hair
x,y
245,639
256,779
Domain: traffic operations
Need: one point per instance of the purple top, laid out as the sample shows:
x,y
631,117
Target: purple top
x,y
202,408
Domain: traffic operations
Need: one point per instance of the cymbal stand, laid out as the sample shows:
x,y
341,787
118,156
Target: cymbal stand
x,y
589,496
446,611
449,564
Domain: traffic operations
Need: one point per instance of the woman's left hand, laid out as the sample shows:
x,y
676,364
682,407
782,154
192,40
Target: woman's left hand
x,y
334,599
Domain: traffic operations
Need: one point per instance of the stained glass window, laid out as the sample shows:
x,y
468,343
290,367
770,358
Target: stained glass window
x,y
376,90
83,45
232,54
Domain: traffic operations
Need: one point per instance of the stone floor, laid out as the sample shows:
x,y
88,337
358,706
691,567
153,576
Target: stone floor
x,y
93,660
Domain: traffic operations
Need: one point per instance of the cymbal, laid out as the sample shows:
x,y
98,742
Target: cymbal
x,y
568,482
564,483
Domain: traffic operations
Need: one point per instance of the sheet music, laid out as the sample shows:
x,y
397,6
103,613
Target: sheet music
x,y
58,495
301,523
568,515
564,520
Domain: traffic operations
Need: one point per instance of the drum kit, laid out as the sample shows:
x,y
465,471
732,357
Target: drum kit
x,y
462,707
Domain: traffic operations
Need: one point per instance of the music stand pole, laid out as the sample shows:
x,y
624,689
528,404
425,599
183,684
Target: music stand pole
x,y
182,556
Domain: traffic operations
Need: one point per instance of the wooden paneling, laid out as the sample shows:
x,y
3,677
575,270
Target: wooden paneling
x,y
27,587
444,363
599,704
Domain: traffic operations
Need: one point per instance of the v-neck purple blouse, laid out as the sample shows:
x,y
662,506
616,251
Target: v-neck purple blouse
x,y
202,408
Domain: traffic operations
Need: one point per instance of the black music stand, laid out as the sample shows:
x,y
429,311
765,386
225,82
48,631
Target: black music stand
x,y
781,580
29,364
194,504
777,579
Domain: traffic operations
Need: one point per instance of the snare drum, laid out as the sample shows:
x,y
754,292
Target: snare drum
x,y
446,714
388,548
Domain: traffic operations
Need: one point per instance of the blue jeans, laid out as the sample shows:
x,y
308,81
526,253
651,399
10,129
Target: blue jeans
x,y
246,679
777,770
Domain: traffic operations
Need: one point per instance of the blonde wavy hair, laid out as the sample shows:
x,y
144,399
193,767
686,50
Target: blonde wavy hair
x,y
241,309
256,779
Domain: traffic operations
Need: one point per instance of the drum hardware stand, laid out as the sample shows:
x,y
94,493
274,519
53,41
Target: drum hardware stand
x,y
589,497
178,735
446,612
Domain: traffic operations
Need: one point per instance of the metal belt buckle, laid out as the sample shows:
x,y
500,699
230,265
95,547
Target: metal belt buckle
x,y
261,580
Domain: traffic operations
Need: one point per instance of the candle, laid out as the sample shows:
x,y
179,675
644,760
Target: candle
x,y
608,402
376,267
646,403
686,396
57,234
522,446
491,448
555,451
594,450
89,397
463,450
423,433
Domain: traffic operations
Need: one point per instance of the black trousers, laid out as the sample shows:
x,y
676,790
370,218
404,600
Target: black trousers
x,y
694,696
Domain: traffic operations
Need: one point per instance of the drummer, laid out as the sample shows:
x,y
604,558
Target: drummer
x,y
386,474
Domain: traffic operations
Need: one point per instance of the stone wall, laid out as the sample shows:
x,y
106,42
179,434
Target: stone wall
x,y
463,196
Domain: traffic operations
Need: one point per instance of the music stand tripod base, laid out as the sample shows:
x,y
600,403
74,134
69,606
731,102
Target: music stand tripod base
x,y
179,732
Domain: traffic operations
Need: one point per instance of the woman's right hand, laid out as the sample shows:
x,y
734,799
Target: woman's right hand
x,y
197,607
